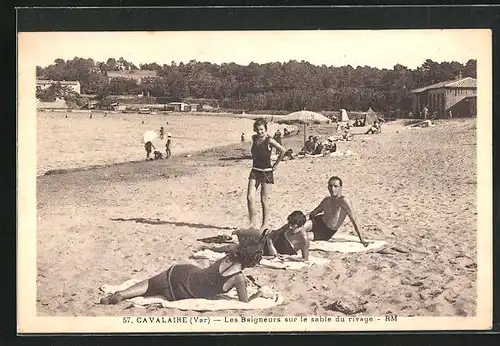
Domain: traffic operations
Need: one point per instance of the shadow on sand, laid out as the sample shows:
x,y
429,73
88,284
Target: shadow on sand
x,y
235,158
175,223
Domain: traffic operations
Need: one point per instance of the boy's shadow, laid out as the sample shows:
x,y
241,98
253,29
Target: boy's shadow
x,y
175,223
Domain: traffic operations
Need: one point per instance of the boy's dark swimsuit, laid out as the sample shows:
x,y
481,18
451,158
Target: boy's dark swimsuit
x,y
320,230
261,169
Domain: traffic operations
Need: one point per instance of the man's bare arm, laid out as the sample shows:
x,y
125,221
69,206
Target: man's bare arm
x,y
317,210
347,206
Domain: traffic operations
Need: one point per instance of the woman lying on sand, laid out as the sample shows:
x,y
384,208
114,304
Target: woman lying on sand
x,y
289,239
185,281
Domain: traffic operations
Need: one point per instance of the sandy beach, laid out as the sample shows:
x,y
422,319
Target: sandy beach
x,y
78,141
415,189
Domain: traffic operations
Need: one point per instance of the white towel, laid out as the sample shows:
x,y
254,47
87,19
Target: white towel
x,y
344,243
285,262
227,301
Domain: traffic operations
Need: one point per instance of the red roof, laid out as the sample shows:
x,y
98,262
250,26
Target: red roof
x,y
467,82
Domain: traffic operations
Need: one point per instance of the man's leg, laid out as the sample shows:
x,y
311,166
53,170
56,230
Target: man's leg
x,y
264,199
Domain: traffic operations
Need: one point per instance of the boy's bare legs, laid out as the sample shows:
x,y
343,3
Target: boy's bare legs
x,y
251,192
264,199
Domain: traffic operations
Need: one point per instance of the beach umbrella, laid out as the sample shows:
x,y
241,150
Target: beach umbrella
x,y
304,118
148,136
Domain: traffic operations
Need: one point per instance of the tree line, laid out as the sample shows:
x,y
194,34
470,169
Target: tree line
x,y
289,86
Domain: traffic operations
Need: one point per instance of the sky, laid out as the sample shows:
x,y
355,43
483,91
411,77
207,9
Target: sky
x,y
375,48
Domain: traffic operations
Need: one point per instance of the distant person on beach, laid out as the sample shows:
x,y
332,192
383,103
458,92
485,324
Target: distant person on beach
x,y
318,146
308,146
325,220
158,155
289,239
242,137
162,132
168,145
425,112
375,128
330,145
289,155
346,135
148,146
261,174
187,281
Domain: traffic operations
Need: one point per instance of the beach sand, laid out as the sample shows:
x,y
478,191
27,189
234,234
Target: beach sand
x,y
415,189
78,141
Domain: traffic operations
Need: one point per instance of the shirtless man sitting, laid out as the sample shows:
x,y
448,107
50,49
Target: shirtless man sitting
x,y
325,220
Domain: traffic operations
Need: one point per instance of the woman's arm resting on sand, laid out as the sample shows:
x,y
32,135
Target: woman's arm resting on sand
x,y
272,249
239,281
305,247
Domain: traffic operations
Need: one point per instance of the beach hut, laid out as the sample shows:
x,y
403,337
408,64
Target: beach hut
x,y
305,118
343,116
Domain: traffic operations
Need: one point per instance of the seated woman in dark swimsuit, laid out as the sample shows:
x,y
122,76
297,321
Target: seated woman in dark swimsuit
x,y
289,239
185,281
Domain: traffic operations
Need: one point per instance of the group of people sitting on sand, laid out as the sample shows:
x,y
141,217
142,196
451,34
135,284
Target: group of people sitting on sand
x,y
187,281
313,146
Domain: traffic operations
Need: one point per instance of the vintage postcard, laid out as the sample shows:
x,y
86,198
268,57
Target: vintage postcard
x,y
254,181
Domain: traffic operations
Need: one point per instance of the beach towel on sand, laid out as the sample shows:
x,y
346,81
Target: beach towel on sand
x,y
344,243
227,301
285,262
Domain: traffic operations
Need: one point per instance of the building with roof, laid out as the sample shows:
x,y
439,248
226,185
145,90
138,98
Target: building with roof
x,y
178,107
456,96
137,75
42,84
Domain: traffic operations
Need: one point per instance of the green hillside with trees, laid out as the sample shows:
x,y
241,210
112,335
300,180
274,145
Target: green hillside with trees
x,y
286,86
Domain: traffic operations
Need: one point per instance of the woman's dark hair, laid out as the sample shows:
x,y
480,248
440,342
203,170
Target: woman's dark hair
x,y
259,122
250,249
297,218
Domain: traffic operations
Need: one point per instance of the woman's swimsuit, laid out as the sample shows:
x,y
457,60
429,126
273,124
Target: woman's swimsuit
x,y
185,281
261,166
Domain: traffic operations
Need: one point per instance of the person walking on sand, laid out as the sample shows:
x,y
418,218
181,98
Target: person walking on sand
x,y
325,220
148,146
187,281
168,145
242,137
261,174
162,132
